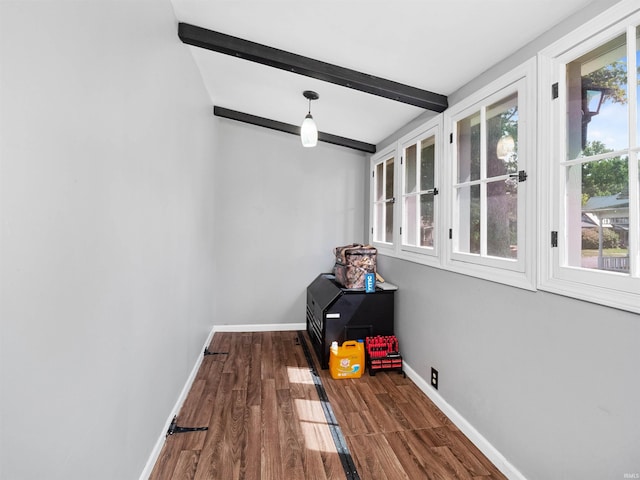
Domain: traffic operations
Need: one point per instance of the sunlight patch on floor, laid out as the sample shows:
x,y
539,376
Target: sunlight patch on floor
x,y
310,411
317,437
313,424
300,375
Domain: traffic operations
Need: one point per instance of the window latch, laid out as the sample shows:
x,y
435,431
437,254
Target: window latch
x,y
521,176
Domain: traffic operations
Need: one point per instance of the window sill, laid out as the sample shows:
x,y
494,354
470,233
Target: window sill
x,y
599,295
493,274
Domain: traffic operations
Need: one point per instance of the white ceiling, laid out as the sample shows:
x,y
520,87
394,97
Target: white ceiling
x,y
435,45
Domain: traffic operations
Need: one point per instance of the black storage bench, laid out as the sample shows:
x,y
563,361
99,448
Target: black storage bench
x,y
339,314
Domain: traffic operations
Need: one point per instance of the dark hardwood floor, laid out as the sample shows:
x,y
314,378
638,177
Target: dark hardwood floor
x,y
257,396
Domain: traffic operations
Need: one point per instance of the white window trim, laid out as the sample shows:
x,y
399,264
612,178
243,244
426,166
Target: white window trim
x,y
605,288
498,270
541,267
426,256
509,264
396,249
383,155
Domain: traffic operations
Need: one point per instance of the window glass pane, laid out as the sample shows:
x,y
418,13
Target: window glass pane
x,y
427,163
502,218
389,180
469,219
388,222
502,137
418,207
383,205
379,177
602,222
379,219
426,220
597,97
410,169
410,214
469,148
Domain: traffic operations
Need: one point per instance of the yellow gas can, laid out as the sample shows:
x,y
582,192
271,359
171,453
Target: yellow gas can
x,y
346,361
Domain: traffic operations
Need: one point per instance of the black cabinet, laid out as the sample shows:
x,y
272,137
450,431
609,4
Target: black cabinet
x,y
339,314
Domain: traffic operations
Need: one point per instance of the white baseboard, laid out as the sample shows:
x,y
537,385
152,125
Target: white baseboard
x,y
270,327
155,453
465,427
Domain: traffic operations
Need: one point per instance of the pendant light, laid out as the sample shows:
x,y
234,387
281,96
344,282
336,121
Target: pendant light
x,y
308,129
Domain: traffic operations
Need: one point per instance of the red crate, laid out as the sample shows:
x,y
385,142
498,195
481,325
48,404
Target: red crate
x,y
382,353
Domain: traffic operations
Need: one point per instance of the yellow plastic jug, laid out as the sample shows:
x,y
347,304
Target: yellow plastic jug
x,y
346,361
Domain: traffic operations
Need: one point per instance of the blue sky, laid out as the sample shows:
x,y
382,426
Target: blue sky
x,y
610,126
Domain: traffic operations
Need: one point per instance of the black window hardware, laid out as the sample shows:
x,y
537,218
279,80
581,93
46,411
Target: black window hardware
x,y
521,176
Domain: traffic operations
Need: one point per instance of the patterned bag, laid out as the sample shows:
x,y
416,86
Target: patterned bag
x,y
352,262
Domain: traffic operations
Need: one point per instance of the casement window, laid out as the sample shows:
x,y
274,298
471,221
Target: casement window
x,y
404,196
419,206
384,198
491,198
589,102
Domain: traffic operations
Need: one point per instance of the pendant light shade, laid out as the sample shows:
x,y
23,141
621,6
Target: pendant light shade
x,y
309,132
308,129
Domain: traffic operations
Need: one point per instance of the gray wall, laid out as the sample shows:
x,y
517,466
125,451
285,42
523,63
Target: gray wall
x,y
280,211
107,234
132,221
551,382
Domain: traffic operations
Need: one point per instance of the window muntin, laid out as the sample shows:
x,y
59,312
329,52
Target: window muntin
x,y
383,205
418,195
486,194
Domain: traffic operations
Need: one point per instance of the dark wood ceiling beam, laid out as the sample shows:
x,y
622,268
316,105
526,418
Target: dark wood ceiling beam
x,y
293,129
273,57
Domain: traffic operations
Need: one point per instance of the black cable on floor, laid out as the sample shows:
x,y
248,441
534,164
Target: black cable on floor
x,y
339,440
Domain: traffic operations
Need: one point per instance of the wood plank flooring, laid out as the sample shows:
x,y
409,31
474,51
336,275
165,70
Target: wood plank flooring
x,y
266,422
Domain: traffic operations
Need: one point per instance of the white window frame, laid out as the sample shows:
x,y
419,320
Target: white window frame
x,y
606,288
519,272
388,248
426,255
